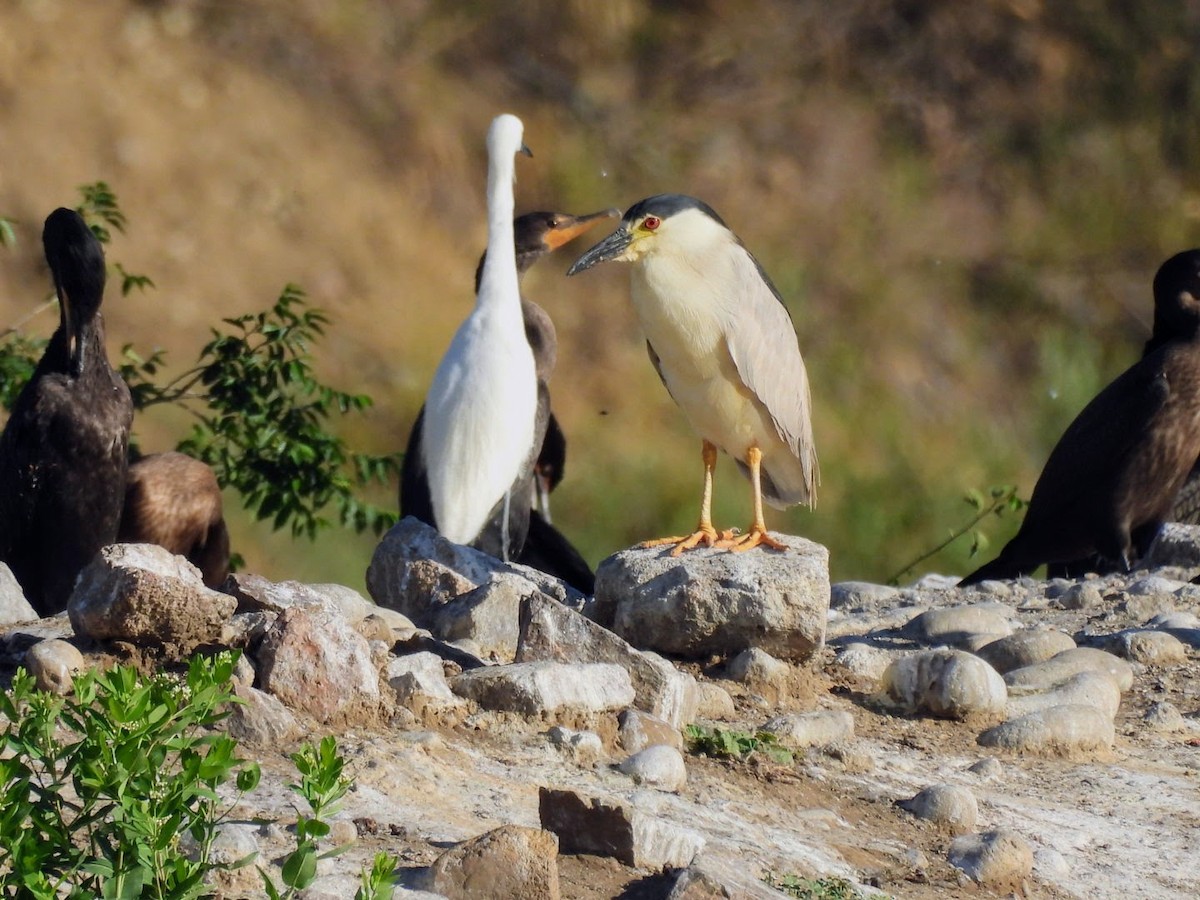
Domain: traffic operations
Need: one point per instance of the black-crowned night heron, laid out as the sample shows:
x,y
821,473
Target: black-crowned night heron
x,y
532,540
174,500
1111,480
63,450
724,346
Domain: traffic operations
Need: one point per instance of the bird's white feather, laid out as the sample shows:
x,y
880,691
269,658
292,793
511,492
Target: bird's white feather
x,y
480,408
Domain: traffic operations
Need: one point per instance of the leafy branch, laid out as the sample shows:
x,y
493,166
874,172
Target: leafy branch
x,y
1000,499
262,414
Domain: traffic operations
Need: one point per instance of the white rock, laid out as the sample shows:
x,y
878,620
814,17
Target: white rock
x,y
14,607
754,665
713,702
1061,666
1096,689
957,625
1152,648
658,766
865,661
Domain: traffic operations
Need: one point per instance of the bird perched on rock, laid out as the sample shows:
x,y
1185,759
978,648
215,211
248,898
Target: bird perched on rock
x,y
63,450
174,500
477,430
534,235
725,348
1110,481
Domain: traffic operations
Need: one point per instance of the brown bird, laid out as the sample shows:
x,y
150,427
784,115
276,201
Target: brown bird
x,y
1111,480
63,450
174,501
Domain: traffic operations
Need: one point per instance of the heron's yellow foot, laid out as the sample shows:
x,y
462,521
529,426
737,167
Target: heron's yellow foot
x,y
755,537
704,534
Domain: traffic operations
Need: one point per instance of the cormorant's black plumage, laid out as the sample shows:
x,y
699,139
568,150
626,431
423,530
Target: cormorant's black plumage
x,y
63,450
1110,481
526,535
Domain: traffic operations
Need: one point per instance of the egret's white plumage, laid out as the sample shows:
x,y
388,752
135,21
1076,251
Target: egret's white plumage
x,y
480,408
724,346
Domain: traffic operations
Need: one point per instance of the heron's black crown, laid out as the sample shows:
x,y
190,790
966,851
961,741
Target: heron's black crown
x,y
666,205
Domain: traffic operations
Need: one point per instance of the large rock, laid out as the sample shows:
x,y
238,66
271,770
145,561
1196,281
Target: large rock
x,y
948,683
144,594
315,661
535,688
1095,689
708,601
552,631
610,828
945,804
998,858
454,591
1070,730
958,626
509,861
1061,666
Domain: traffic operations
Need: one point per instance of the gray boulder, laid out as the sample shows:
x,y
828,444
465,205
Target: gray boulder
x,y
716,602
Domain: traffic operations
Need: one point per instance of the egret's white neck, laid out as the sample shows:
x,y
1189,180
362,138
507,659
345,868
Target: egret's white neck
x,y
498,284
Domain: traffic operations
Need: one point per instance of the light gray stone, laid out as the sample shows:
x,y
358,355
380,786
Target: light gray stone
x,y
419,680
1024,648
509,861
1095,689
549,630
316,662
947,683
1050,865
865,661
1001,859
658,766
488,616
1165,718
756,666
145,594
716,602
945,804
1182,624
1084,595
862,596
611,828
818,728
585,746
1151,648
14,607
535,688
956,625
1061,666
53,664
987,768
1056,731
260,718
414,570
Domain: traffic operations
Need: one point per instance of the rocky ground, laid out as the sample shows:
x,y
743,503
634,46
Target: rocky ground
x,y
1034,738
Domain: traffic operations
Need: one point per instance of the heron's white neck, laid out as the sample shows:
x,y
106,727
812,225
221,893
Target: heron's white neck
x,y
498,284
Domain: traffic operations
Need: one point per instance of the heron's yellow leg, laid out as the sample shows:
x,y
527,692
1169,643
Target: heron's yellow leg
x,y
757,534
705,533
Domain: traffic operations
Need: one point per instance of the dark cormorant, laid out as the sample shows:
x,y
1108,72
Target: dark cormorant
x,y
63,450
532,540
174,501
1110,481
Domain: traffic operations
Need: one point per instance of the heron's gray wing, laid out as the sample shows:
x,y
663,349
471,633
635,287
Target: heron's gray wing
x,y
762,342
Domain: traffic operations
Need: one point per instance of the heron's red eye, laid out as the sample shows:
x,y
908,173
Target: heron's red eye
x,y
651,222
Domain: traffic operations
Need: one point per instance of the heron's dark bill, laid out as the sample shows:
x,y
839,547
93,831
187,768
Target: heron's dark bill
x,y
610,248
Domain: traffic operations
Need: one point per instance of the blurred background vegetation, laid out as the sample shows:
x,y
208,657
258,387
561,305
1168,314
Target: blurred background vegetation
x,y
963,205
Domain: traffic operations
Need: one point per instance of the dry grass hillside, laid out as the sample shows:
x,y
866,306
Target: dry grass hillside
x,y
962,205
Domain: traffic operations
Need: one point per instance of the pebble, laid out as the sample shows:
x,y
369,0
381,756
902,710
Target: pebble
x,y
1165,718
1079,596
987,768
52,663
1050,865
713,702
